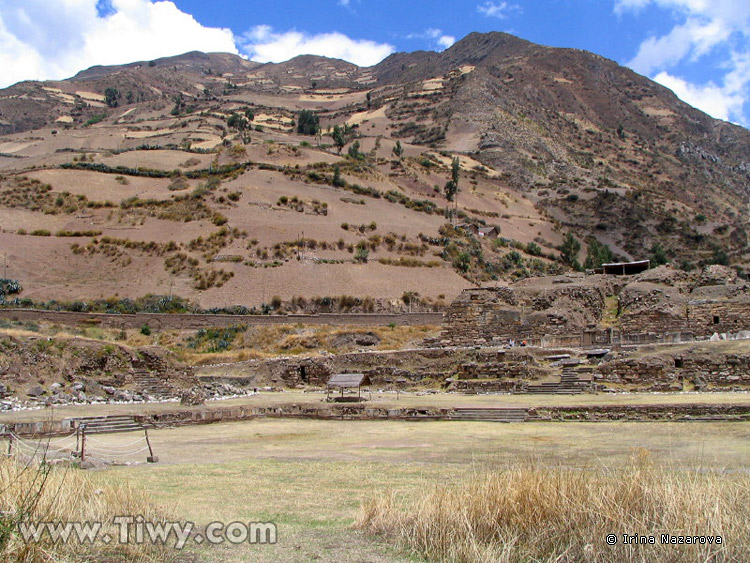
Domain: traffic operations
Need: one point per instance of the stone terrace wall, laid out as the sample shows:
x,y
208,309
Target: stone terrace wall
x,y
706,317
496,315
705,372
404,366
567,314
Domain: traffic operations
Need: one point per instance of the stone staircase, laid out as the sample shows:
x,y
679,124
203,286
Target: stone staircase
x,y
490,414
570,384
102,424
150,384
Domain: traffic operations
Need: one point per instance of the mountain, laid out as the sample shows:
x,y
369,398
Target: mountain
x,y
188,173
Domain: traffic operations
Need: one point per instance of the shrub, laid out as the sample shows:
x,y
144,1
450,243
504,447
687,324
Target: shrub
x,y
362,255
94,119
146,330
219,220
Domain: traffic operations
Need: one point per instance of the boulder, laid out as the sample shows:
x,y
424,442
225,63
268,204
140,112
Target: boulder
x,y
35,391
192,397
123,395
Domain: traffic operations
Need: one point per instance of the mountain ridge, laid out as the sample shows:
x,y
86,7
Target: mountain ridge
x,y
551,142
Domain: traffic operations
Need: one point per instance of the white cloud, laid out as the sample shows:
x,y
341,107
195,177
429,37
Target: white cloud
x,y
38,42
710,98
497,10
446,41
691,40
438,40
263,44
702,27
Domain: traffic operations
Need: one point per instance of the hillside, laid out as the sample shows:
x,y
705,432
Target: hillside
x,y
187,176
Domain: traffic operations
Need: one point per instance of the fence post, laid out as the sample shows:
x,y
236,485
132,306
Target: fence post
x,y
10,444
83,442
151,458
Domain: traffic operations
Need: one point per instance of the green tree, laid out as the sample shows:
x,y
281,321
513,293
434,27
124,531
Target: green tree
x,y
354,151
451,186
398,150
597,254
720,256
338,138
658,255
179,105
308,122
569,251
111,97
338,181
242,124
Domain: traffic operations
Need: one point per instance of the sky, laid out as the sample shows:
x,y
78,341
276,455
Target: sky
x,y
700,49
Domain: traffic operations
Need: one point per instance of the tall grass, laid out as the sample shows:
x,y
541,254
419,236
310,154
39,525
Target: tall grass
x,y
554,514
34,493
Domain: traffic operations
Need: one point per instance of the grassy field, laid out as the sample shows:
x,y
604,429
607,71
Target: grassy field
x,y
311,477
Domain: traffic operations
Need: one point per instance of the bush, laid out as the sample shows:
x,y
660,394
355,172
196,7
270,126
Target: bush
x,y
146,330
94,119
362,255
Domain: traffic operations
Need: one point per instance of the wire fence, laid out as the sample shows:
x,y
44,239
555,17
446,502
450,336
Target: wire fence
x,y
78,446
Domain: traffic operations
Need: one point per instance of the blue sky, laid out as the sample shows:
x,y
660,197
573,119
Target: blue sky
x,y
698,48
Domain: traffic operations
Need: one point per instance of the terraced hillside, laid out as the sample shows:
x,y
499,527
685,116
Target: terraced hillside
x,y
193,176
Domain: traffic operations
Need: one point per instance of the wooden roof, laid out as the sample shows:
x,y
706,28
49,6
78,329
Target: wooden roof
x,y
626,268
348,380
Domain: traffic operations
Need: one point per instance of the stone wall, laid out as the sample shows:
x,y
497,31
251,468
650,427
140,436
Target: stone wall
x,y
403,367
708,316
569,312
497,315
703,371
365,411
641,413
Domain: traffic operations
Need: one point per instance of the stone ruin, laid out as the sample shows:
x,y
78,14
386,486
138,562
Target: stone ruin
x,y
662,304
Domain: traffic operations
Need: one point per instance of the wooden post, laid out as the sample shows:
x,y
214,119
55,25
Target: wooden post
x,y
83,443
151,458
77,453
10,445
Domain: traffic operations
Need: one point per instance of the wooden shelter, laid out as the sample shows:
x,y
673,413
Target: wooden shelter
x,y
347,381
626,268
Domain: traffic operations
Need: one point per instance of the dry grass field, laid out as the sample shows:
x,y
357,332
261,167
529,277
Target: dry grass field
x,y
311,477
373,490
